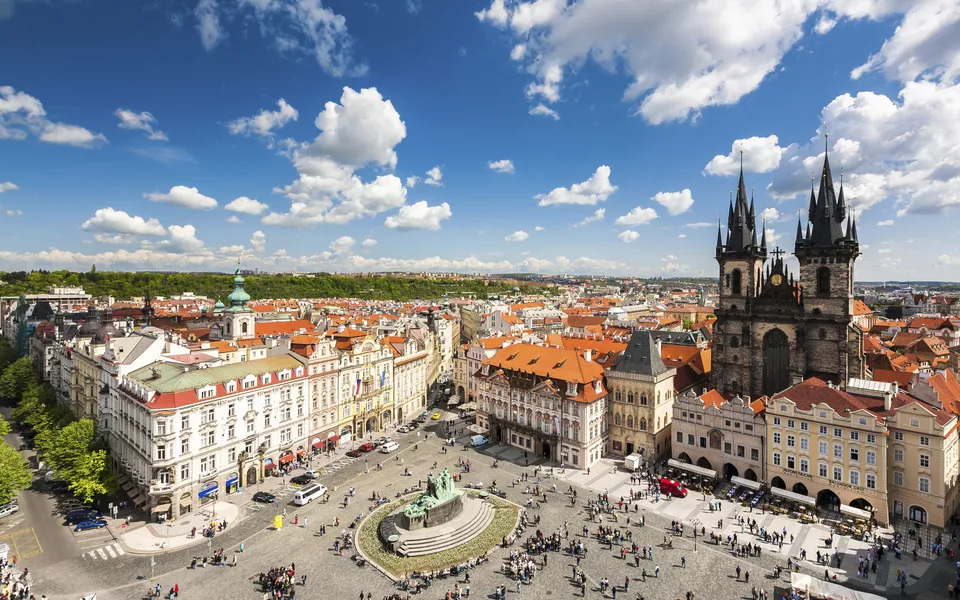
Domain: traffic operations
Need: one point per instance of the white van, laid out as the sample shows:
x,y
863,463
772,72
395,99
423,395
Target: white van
x,y
309,492
389,447
478,440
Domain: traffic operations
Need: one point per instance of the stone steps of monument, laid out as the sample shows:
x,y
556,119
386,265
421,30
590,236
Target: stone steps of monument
x,y
452,539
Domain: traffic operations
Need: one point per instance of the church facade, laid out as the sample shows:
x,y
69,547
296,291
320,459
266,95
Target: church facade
x,y
775,328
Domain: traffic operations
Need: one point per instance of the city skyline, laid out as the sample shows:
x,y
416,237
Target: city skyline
x,y
519,136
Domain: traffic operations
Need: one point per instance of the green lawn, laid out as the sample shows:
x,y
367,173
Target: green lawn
x,y
504,520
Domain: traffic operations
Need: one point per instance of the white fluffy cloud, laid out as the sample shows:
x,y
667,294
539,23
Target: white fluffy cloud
x,y
434,177
265,122
186,197
234,219
597,215
364,128
596,189
538,228
258,241
369,243
682,57
109,220
294,27
120,239
342,244
412,181
21,115
182,240
247,206
13,212
142,121
637,216
517,236
676,203
760,155
501,166
887,223
542,110
419,216
900,149
628,236
8,186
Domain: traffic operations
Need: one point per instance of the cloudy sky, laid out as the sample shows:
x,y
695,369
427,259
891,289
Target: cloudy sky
x,y
587,136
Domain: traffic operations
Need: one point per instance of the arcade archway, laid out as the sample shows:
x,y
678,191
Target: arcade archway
x,y
827,499
703,462
777,482
799,488
730,471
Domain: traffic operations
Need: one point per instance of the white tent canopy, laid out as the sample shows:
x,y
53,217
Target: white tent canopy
x,y
855,512
676,464
753,485
793,497
815,588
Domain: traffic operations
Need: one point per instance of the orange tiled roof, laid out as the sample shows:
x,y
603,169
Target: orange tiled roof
x,y
555,364
860,308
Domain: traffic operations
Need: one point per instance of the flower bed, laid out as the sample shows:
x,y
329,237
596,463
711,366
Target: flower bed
x,y
368,541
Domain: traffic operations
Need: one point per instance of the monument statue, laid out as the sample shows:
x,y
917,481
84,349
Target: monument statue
x,y
440,489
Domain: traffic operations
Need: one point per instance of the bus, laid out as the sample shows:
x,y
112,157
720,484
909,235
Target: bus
x,y
307,493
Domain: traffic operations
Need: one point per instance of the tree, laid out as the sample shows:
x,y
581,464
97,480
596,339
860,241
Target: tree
x,y
4,427
7,354
88,477
72,444
15,473
17,377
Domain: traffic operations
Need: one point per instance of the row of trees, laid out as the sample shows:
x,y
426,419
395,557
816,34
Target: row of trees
x,y
70,447
125,285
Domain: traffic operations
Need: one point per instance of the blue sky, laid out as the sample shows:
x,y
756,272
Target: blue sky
x,y
128,132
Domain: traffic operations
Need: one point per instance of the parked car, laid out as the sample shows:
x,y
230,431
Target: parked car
x,y
478,440
8,509
389,447
82,514
90,524
423,416
672,487
301,480
365,447
355,453
404,429
413,424
264,497
312,473
436,415
383,440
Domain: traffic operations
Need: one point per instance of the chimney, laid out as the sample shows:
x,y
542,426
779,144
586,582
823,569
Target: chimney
x,y
888,399
588,354
341,328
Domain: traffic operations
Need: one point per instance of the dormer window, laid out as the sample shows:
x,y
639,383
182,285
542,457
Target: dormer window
x,y
207,392
571,388
249,382
299,371
598,387
230,386
265,379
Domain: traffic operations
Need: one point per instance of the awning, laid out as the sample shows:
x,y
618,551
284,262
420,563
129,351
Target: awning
x,y
286,458
318,445
793,497
269,465
333,438
753,485
208,491
160,508
859,513
469,406
301,453
676,464
232,481
816,588
185,502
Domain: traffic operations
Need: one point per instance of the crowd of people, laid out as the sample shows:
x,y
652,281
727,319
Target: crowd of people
x,y
14,585
278,582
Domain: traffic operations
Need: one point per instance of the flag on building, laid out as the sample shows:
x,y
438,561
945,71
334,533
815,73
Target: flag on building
x,y
356,390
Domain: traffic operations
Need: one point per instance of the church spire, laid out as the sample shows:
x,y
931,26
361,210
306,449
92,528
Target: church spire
x,y
763,238
813,200
827,227
741,220
800,239
719,239
841,213
853,217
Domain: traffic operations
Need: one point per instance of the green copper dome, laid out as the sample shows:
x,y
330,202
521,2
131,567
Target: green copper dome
x,y
219,304
238,298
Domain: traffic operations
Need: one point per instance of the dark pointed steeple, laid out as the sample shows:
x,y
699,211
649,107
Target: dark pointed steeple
x,y
719,238
855,238
813,201
827,228
763,238
741,221
753,214
841,213
800,239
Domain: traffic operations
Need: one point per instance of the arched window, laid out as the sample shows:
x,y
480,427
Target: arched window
x,y
243,327
616,419
734,342
630,397
643,424
643,399
735,284
630,421
616,397
823,281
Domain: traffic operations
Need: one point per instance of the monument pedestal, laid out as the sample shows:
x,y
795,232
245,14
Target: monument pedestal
x,y
433,516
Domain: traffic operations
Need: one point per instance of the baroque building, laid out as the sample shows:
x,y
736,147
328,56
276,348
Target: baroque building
x,y
774,330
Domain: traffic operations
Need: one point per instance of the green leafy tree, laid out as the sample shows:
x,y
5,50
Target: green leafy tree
x,y
72,444
88,476
17,377
7,354
15,473
4,427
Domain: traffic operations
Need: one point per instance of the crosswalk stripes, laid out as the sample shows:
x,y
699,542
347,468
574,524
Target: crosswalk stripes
x,y
106,552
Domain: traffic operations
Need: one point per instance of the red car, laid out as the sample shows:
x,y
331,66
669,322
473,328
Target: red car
x,y
365,447
672,488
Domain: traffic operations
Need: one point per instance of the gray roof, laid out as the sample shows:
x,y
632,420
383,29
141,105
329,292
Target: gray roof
x,y
129,349
171,377
680,338
640,356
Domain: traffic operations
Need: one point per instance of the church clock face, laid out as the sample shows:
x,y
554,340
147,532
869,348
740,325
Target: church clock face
x,y
776,279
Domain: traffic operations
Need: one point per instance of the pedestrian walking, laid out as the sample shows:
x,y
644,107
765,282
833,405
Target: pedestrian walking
x,y
518,586
656,571
683,562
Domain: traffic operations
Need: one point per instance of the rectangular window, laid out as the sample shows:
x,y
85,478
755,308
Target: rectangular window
x,y
855,478
871,457
791,441
804,465
924,440
741,451
703,441
924,485
791,462
161,452
266,419
823,470
232,455
871,481
727,422
776,458
855,454
823,430
871,438
837,432
791,424
209,438
184,446
838,450
898,435
727,448
898,478
232,410
837,474
804,426
185,422
299,429
267,441
231,432
679,437
823,448
748,427
690,440
776,437
250,427
184,471
162,427
897,455
925,461
855,436
754,454
776,420
285,414
804,444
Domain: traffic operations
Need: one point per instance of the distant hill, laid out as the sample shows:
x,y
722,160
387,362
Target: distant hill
x,y
124,285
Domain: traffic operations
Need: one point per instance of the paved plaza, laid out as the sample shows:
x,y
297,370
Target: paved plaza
x,y
709,572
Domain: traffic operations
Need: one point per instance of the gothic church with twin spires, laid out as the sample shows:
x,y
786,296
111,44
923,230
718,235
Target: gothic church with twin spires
x,y
773,328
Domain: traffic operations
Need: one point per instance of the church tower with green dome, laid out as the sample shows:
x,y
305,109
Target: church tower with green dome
x,y
238,318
